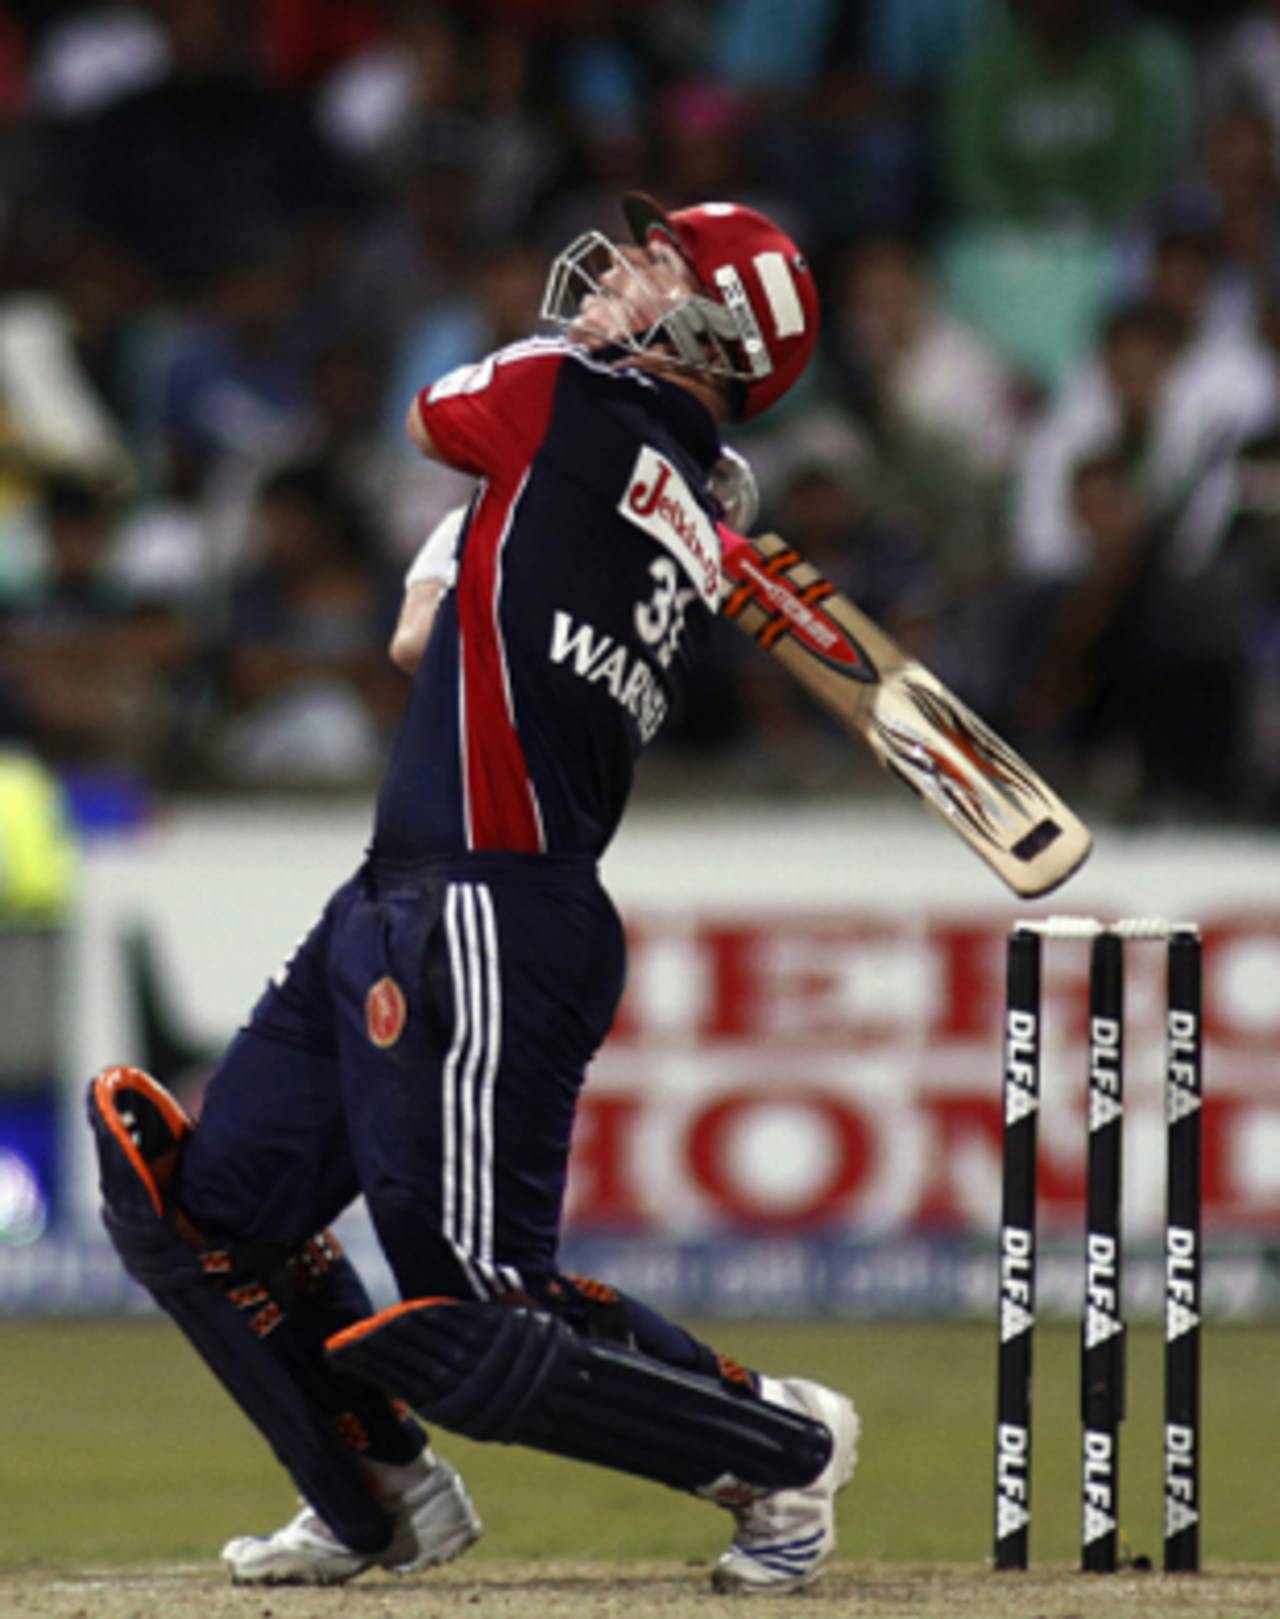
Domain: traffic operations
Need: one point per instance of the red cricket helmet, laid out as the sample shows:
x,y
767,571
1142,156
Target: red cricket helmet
x,y
759,296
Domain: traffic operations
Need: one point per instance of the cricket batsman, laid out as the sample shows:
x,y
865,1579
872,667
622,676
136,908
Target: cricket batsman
x,y
426,1044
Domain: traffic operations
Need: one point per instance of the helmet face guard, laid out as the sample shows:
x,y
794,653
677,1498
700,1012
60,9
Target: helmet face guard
x,y
749,314
701,333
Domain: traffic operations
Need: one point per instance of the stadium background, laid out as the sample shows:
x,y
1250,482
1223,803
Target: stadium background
x,y
1039,444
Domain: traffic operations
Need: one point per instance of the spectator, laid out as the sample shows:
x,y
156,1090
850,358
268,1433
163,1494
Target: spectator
x,y
504,300
702,130
1066,114
753,53
305,40
1226,386
601,156
342,428
913,44
37,845
599,72
52,417
524,149
1173,269
385,99
907,49
419,248
61,301
1243,70
1251,556
14,70
942,407
826,510
307,683
55,415
441,92
1173,409
93,57
500,307
1238,200
921,369
233,396
181,170
98,671
832,129
1131,670
1060,125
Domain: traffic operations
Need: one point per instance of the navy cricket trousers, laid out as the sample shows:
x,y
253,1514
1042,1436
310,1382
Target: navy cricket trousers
x,y
424,1047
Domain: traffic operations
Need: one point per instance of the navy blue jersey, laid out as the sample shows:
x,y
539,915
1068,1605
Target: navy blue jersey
x,y
588,577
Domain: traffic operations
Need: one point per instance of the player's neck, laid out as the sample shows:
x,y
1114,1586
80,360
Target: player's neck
x,y
710,392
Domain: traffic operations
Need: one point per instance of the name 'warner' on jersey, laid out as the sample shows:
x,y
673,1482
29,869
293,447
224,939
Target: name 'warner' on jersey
x,y
588,576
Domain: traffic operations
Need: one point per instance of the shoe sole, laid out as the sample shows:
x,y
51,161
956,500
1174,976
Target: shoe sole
x,y
282,1568
445,1553
730,1585
294,1576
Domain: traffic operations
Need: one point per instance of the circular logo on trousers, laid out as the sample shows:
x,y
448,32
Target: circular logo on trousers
x,y
385,1012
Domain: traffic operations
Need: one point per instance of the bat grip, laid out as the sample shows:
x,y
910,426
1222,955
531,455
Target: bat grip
x,y
730,541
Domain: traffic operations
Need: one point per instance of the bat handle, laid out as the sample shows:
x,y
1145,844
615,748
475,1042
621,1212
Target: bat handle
x,y
730,541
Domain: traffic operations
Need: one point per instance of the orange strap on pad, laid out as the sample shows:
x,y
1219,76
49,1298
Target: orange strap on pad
x,y
139,1128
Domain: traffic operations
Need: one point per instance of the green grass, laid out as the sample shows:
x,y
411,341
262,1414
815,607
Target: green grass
x,y
117,1447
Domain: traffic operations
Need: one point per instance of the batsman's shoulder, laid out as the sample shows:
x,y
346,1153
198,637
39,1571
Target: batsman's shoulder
x,y
599,372
533,351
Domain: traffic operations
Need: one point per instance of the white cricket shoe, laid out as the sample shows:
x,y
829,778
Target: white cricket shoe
x,y
434,1523
784,1539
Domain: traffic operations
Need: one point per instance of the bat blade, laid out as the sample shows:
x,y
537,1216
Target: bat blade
x,y
918,730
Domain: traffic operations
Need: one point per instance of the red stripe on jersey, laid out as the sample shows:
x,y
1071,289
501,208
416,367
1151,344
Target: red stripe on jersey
x,y
501,806
490,419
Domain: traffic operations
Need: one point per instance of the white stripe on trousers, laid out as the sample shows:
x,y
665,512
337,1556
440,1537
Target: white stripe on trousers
x,y
469,1088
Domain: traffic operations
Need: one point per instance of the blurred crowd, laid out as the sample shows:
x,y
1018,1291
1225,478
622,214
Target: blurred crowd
x,y
1041,442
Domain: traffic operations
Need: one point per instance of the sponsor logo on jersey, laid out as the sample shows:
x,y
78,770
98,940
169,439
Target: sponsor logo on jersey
x,y
385,1013
658,500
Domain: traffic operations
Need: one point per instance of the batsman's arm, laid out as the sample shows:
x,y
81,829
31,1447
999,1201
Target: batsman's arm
x,y
416,432
430,577
414,625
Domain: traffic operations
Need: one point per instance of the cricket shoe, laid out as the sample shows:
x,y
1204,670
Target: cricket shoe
x,y
433,1522
783,1540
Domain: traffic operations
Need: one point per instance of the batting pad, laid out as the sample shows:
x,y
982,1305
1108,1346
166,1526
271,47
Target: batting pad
x,y
520,1376
265,1345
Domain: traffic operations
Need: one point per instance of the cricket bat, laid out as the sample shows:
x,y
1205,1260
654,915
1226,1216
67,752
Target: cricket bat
x,y
918,730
